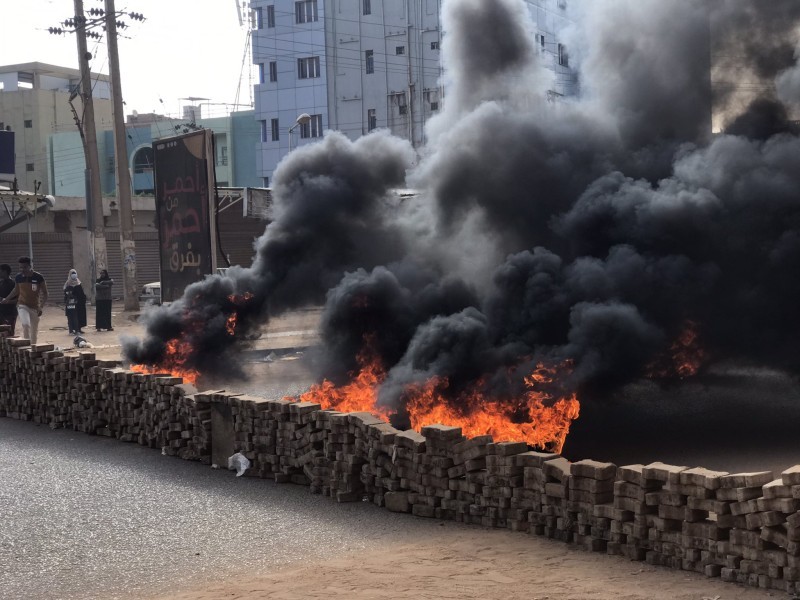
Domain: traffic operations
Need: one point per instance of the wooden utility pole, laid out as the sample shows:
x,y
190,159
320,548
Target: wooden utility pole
x,y
95,225
123,174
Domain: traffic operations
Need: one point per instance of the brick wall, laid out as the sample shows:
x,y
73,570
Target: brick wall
x,y
741,527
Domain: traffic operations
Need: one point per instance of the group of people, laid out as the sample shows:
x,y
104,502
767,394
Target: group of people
x,y
23,298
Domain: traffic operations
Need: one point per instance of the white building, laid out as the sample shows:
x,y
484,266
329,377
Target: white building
x,y
357,65
34,103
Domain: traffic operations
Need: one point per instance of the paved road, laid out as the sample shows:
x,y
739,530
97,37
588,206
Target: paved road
x,y
88,517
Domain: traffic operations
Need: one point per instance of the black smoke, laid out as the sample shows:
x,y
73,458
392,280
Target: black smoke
x,y
590,229
332,214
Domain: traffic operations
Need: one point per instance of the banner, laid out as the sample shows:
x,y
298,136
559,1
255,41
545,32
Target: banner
x,y
184,183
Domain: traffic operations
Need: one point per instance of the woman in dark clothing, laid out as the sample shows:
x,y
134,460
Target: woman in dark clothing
x,y
103,301
74,303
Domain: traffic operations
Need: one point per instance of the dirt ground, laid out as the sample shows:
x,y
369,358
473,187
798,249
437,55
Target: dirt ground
x,y
458,563
479,564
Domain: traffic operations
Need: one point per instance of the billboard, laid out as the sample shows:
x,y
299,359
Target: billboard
x,y
184,185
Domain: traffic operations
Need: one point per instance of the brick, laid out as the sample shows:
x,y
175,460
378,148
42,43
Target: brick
x,y
410,439
746,480
557,469
510,448
397,501
659,471
593,469
533,458
441,432
738,494
701,477
791,476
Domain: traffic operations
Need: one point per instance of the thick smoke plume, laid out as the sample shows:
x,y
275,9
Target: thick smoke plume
x,y
588,230
331,216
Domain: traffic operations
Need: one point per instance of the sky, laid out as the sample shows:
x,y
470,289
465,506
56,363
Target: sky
x,y
184,48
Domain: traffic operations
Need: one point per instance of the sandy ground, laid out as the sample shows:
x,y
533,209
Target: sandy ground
x,y
478,563
461,562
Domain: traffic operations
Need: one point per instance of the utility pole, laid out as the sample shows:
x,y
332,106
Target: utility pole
x,y
123,175
95,226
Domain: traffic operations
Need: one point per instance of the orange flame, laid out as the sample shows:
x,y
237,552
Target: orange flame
x,y
174,363
536,418
361,394
684,358
230,323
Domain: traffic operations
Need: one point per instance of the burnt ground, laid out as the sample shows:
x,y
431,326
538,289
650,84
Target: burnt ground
x,y
731,418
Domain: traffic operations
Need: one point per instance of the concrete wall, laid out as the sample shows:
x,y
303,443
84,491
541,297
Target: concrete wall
x,y
741,527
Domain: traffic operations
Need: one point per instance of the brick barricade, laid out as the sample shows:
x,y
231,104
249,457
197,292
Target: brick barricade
x,y
742,527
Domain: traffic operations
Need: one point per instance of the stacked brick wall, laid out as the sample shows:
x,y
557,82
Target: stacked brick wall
x,y
741,527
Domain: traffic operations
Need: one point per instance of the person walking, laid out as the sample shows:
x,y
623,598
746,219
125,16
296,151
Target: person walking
x,y
30,292
74,302
102,298
8,312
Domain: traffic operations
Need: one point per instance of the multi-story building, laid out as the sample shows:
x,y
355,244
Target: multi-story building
x,y
235,137
357,65
34,103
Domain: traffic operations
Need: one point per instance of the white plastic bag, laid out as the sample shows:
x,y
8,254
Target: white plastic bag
x,y
239,463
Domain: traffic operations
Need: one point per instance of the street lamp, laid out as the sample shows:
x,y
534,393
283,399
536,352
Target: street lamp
x,y
302,119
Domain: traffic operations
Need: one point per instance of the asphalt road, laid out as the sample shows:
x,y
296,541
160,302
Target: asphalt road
x,y
88,517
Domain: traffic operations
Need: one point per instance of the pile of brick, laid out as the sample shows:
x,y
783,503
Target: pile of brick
x,y
79,392
740,527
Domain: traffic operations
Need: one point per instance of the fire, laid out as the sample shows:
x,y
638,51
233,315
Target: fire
x,y
684,358
238,299
361,394
230,324
537,417
174,363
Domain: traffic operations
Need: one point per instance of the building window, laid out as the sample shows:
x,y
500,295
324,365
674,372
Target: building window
x,y
273,71
400,50
276,130
369,60
563,57
264,137
259,14
143,161
313,128
222,157
265,181
435,45
541,40
271,16
308,68
399,100
28,124
261,73
431,97
29,167
372,119
306,11
367,7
